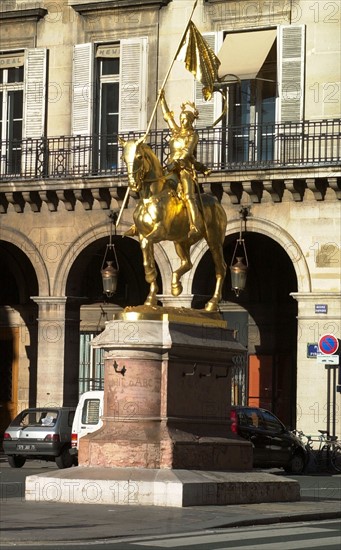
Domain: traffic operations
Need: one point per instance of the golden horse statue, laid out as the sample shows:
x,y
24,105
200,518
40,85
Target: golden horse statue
x,y
161,215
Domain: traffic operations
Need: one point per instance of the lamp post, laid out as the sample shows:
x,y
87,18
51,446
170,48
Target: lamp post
x,y
239,269
109,272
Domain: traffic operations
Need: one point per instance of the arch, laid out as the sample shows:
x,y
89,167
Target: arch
x,y
88,237
274,232
27,247
288,243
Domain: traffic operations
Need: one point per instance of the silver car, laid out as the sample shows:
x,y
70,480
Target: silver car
x,y
40,433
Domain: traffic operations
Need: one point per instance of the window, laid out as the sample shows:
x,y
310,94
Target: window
x,y
252,114
91,364
271,423
109,97
270,67
91,410
36,417
108,70
22,109
11,112
252,418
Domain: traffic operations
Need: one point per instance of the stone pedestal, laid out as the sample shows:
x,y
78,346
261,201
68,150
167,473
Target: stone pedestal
x,y
167,394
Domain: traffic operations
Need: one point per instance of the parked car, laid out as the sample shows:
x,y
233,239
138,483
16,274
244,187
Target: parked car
x,y
88,417
273,444
40,433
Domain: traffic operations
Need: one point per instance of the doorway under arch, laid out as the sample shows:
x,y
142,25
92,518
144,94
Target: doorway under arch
x,y
265,316
18,332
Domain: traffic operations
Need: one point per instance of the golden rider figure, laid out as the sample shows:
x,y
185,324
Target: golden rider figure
x,y
183,142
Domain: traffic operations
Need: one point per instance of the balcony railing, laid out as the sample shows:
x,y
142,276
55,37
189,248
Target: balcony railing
x,y
247,147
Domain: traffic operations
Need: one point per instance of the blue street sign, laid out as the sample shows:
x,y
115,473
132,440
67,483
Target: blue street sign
x,y
321,308
312,350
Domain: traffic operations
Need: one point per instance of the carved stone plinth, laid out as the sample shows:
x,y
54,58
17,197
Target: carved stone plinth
x,y
167,394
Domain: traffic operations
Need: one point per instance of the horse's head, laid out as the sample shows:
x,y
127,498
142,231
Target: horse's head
x,y
133,157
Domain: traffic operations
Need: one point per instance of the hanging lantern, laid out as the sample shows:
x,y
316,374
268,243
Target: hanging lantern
x,y
239,269
110,272
109,279
238,275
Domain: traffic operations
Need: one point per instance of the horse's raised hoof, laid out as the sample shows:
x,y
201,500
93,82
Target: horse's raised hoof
x,y
131,232
211,306
176,289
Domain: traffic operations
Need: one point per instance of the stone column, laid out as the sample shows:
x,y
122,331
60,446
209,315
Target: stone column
x,y
57,368
318,314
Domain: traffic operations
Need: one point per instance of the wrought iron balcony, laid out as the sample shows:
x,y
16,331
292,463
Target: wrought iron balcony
x,y
249,147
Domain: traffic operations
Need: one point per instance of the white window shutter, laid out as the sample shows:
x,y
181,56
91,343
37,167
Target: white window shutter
x,y
35,71
291,72
83,89
133,84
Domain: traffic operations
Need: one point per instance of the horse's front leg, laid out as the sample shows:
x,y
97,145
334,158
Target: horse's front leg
x,y
220,271
149,271
183,251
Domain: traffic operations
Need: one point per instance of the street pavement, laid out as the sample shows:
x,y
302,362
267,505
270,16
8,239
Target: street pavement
x,y
48,522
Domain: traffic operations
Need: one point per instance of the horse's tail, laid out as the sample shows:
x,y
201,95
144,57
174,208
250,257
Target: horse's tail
x,y
215,218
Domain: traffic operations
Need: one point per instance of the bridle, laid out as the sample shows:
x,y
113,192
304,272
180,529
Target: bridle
x,y
138,176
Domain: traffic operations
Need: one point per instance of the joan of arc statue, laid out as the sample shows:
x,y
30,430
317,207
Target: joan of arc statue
x,y
182,162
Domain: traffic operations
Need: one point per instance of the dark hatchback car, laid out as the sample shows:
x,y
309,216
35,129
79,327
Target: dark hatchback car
x,y
40,433
274,446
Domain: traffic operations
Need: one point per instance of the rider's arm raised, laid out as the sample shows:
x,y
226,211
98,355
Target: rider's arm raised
x,y
167,114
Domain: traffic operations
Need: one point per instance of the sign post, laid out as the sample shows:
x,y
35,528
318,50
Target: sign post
x,y
327,347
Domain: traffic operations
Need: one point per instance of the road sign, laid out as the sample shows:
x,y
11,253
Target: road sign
x,y
328,344
323,359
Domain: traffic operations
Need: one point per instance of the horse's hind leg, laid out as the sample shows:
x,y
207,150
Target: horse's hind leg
x,y
149,271
220,272
183,251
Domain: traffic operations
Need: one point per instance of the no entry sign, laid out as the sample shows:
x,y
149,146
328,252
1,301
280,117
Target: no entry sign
x,y
328,344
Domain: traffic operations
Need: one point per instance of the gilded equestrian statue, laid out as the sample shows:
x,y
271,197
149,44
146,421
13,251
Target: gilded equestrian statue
x,y
161,214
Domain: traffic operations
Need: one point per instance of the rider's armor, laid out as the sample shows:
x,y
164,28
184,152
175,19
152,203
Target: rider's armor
x,y
183,142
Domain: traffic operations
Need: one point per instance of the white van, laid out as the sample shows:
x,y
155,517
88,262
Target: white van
x,y
88,417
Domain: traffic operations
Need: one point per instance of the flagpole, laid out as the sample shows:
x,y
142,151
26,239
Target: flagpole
x,y
156,104
168,72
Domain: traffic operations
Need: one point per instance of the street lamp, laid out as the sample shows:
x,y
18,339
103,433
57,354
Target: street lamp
x,y
110,273
239,269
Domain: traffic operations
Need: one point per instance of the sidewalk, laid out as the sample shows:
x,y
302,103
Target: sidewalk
x,y
30,521
27,521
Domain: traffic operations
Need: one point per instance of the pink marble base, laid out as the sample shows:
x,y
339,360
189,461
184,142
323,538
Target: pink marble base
x,y
170,408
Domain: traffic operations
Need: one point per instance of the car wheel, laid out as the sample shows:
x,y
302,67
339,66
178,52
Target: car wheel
x,y
64,460
16,461
296,465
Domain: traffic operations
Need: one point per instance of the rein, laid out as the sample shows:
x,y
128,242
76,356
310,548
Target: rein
x,y
141,176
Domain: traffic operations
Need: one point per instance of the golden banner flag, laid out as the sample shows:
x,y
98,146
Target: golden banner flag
x,y
199,58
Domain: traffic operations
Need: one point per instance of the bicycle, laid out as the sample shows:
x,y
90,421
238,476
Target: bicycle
x,y
327,455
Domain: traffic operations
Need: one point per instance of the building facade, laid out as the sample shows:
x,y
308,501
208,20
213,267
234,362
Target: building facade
x,y
75,75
